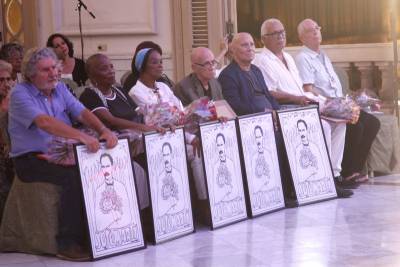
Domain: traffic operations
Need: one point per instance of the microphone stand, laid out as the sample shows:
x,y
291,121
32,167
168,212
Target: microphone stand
x,y
79,7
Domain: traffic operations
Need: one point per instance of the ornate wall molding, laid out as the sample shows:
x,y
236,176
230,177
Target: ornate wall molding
x,y
128,17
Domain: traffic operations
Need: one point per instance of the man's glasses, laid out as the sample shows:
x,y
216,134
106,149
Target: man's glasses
x,y
277,34
4,79
208,64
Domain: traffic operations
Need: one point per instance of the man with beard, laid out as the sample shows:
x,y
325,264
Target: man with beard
x,y
112,207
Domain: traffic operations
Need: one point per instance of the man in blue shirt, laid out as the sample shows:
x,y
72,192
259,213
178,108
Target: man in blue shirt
x,y
41,108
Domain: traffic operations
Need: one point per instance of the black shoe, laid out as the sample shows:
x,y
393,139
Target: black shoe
x,y
74,253
346,184
341,192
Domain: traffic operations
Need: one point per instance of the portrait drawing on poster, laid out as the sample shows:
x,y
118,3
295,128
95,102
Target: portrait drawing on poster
x,y
261,163
169,185
111,201
223,173
308,155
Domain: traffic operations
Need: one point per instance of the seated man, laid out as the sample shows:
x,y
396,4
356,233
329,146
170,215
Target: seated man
x,y
201,82
319,77
244,88
41,108
282,78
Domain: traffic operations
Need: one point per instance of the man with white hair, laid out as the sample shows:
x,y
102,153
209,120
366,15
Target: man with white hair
x,y
201,82
284,82
319,77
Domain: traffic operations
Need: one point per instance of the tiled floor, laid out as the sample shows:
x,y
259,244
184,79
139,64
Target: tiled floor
x,y
361,231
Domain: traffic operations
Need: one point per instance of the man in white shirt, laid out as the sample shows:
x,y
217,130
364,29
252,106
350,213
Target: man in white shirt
x,y
284,82
319,77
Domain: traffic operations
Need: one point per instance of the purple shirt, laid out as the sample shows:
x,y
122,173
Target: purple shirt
x,y
26,103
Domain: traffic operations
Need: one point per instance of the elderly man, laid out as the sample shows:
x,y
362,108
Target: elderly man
x,y
282,77
201,82
244,88
40,109
243,85
319,77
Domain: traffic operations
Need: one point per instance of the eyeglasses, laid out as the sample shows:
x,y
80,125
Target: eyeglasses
x,y
208,64
276,34
4,79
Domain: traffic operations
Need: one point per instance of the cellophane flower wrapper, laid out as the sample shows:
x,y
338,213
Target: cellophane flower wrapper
x,y
366,99
199,111
61,150
339,108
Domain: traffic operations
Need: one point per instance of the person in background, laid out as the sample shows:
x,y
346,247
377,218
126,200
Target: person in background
x,y
319,77
72,68
41,108
13,53
201,82
6,166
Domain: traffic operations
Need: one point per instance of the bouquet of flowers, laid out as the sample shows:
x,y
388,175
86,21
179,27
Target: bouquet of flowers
x,y
340,108
162,114
61,150
200,110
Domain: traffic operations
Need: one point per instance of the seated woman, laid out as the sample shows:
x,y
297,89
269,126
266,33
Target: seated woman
x,y
134,75
149,91
41,108
6,166
113,107
12,53
72,68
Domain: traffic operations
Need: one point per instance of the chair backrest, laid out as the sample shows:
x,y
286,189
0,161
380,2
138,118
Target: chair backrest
x,y
344,79
124,76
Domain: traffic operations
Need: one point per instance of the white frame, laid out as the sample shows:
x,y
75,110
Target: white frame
x,y
310,163
180,212
226,197
264,186
111,220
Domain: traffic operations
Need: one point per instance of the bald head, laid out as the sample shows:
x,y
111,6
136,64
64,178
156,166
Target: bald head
x,y
243,48
92,63
203,64
100,71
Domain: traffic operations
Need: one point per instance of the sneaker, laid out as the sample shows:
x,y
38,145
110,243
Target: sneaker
x,y
341,192
74,253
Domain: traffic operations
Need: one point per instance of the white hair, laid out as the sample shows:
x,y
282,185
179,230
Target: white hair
x,y
32,57
301,27
267,23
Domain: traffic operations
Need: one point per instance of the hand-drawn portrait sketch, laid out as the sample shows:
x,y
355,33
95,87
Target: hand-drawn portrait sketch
x,y
307,154
169,185
223,173
111,201
261,163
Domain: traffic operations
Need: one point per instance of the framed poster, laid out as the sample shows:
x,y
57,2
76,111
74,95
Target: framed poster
x,y
223,173
172,213
307,154
261,165
111,202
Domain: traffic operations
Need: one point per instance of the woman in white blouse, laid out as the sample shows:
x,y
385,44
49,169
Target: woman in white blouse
x,y
148,91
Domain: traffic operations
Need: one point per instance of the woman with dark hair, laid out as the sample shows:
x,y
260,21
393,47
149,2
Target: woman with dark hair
x,y
148,91
72,68
134,76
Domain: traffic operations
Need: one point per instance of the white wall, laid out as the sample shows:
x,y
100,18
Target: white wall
x,y
119,26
